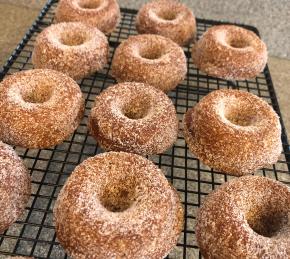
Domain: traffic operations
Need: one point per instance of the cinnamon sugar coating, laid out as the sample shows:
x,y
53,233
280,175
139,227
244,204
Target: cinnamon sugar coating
x,y
233,131
134,117
151,59
15,186
118,205
247,217
230,52
39,108
103,14
75,49
170,19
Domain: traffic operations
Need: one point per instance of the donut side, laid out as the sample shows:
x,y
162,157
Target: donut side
x,y
15,187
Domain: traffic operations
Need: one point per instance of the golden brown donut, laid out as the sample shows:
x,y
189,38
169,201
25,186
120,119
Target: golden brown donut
x,y
15,186
39,108
151,59
134,117
233,131
75,49
103,14
247,217
230,52
168,18
118,205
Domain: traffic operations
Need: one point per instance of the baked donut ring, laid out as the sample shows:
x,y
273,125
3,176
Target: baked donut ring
x,y
39,108
170,19
247,217
134,117
230,52
118,205
233,131
103,14
75,49
15,186
151,59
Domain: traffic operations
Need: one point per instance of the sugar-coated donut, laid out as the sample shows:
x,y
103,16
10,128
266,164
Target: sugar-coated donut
x,y
75,49
151,59
134,117
168,18
118,205
233,131
247,217
230,52
15,186
103,14
39,108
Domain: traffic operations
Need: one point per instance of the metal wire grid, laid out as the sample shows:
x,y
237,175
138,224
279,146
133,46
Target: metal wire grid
x,y
33,234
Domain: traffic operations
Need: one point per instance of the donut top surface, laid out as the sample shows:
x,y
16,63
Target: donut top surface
x,y
14,186
33,98
230,52
247,217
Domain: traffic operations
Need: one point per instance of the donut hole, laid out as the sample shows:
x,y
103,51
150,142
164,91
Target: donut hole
x,y
39,93
240,114
137,108
238,43
168,15
90,4
267,222
119,196
73,38
151,52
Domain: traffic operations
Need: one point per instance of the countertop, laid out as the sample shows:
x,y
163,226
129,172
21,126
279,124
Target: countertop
x,y
16,16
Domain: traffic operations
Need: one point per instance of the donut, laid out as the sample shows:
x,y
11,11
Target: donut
x,y
118,205
15,186
230,52
39,108
134,117
247,217
151,59
103,14
168,18
233,131
75,49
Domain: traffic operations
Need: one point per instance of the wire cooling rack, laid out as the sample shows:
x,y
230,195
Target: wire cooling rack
x,y
33,234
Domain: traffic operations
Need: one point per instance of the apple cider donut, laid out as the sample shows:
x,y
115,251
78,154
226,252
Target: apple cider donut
x,y
233,131
230,52
103,14
247,217
118,205
151,59
39,108
134,117
168,18
75,49
15,186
